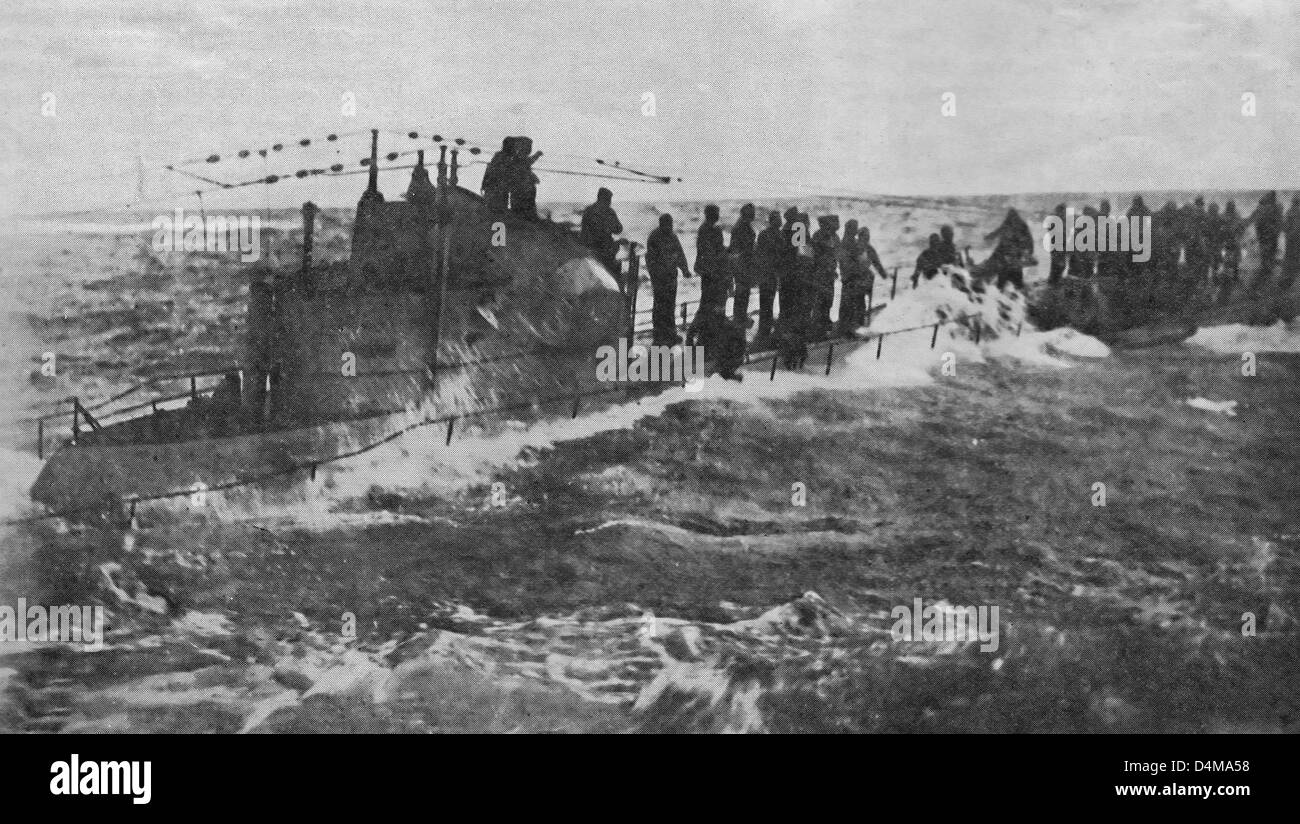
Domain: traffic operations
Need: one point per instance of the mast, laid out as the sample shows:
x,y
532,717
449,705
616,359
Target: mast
x,y
372,187
308,231
368,205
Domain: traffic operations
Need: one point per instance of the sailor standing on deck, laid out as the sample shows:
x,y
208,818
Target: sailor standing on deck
x,y
796,296
664,258
948,247
740,259
1015,244
790,261
599,225
523,183
1083,263
1230,242
1195,253
853,282
769,262
497,176
1213,239
1291,254
1267,218
1219,229
1059,257
1138,271
1165,239
1111,263
711,261
870,261
826,250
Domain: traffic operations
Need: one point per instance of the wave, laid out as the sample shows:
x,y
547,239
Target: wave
x,y
1235,338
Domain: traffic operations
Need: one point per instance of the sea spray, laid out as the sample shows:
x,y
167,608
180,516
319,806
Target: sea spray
x,y
1235,338
422,463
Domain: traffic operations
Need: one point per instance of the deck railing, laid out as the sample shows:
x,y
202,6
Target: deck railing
x,y
95,415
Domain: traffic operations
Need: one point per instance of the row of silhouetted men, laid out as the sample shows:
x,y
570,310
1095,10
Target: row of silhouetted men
x,y
1193,244
786,259
1189,245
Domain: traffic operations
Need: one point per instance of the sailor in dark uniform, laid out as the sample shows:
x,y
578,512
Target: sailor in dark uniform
x,y
1165,240
711,260
740,260
796,291
723,339
1268,224
1059,257
928,262
1083,263
1111,263
497,176
947,247
1231,227
1139,271
826,252
664,258
853,282
768,264
1291,254
523,183
600,224
1015,244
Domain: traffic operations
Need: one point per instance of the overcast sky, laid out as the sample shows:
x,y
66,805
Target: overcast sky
x,y
750,98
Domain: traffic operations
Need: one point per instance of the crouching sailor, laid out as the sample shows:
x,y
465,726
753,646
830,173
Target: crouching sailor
x,y
723,341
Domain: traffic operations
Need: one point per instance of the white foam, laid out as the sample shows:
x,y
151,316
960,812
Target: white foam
x,y
1235,338
1226,407
421,461
1067,341
20,471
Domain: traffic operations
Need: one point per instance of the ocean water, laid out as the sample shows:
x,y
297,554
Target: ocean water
x,y
729,559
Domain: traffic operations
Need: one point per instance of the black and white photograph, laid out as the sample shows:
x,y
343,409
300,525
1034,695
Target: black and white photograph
x,y
689,366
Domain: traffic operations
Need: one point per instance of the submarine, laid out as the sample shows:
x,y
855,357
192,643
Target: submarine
x,y
446,308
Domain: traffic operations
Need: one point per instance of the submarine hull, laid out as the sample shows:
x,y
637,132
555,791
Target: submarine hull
x,y
447,311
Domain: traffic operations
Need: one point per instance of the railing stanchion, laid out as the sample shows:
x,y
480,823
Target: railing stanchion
x,y
451,425
772,376
894,286
632,286
40,439
935,337
880,344
830,352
